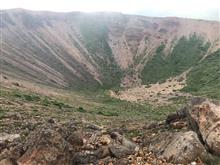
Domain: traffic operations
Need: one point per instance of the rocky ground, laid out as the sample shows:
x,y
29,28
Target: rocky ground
x,y
189,136
159,93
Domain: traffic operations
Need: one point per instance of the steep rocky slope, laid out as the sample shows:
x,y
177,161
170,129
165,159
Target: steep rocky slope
x,y
100,49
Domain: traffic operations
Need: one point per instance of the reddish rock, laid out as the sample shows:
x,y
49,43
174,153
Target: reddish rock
x,y
45,146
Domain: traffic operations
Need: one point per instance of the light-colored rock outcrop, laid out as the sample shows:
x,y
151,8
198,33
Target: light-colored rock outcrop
x,y
184,148
204,118
178,148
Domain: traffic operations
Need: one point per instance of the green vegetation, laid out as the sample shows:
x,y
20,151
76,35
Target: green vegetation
x,y
186,53
204,78
180,100
102,104
2,112
91,105
95,35
32,98
81,109
26,97
48,102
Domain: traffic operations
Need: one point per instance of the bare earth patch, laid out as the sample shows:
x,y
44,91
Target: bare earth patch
x,y
159,93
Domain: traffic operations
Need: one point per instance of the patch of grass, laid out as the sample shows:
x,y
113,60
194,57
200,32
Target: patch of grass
x,y
95,106
24,96
33,98
133,133
59,104
111,107
204,78
81,109
45,101
179,100
212,160
2,113
186,53
108,113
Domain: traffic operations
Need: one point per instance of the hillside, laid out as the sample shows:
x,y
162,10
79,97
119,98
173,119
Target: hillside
x,y
204,78
108,88
80,50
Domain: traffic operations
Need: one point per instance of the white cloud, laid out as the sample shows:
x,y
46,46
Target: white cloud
x,y
181,8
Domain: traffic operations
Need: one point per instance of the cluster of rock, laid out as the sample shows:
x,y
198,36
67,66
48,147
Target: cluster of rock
x,y
70,144
197,136
189,136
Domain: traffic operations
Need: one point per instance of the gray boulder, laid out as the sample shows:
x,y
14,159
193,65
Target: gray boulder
x,y
184,148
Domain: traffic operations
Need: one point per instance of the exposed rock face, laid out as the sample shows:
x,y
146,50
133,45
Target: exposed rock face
x,y
78,49
204,118
46,146
184,148
181,147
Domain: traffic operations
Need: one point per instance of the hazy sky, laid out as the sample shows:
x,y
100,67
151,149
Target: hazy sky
x,y
204,9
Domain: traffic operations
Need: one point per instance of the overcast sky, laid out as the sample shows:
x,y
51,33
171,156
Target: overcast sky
x,y
203,9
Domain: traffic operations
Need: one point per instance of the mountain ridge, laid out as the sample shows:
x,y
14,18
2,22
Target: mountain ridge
x,y
79,50
106,12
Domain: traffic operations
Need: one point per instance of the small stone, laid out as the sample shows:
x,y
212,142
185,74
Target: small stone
x,y
119,151
105,140
193,163
76,139
134,139
51,121
94,127
8,137
139,159
5,77
178,125
102,152
129,144
16,84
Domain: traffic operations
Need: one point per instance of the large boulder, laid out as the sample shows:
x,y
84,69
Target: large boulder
x,y
184,148
179,147
204,118
47,145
